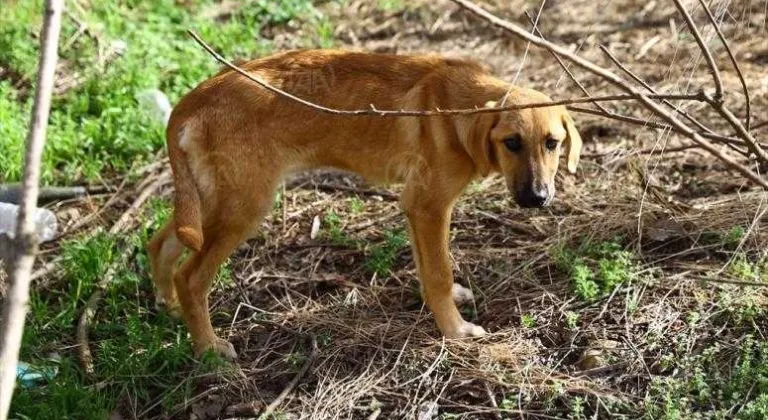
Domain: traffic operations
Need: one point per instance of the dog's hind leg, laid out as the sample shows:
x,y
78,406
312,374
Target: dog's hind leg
x,y
232,225
164,251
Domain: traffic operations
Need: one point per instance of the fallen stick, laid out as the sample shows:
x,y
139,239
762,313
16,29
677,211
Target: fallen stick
x,y
11,193
295,381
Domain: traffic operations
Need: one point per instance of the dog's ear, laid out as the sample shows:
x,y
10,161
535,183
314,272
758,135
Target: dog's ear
x,y
572,143
475,134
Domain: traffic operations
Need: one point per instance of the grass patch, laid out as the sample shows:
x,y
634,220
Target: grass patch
x,y
596,269
139,355
382,257
720,383
97,130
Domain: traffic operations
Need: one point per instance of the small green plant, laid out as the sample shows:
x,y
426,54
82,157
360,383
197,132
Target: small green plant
x,y
334,231
733,236
528,321
584,282
571,320
577,409
356,205
715,384
745,268
596,269
382,257
296,359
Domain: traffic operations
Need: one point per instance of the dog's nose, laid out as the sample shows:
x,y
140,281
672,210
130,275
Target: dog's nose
x,y
534,196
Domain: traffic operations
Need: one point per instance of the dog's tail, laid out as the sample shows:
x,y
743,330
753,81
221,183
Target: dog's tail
x,y
187,210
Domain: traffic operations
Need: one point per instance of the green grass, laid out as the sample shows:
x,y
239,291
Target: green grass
x,y
138,353
596,269
718,384
379,258
382,257
333,230
97,129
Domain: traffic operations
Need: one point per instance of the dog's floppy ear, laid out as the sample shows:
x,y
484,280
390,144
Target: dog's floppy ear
x,y
474,132
572,143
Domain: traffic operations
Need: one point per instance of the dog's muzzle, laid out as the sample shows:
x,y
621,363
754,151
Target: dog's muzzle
x,y
532,196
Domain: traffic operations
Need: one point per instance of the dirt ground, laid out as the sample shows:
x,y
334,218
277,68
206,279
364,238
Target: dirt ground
x,y
370,347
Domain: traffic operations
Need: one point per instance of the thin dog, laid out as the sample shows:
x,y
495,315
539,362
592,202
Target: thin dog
x,y
231,143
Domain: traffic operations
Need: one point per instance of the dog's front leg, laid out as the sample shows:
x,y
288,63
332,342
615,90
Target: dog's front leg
x,y
429,224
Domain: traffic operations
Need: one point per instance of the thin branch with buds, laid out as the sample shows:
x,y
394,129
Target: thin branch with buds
x,y
376,112
617,81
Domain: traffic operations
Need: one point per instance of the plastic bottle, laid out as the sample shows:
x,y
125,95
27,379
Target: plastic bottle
x,y
156,104
46,224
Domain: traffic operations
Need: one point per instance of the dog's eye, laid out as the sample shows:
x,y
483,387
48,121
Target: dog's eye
x,y
514,143
551,144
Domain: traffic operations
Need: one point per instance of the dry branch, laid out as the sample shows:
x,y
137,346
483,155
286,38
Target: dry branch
x,y
617,81
15,308
704,50
267,413
377,112
735,63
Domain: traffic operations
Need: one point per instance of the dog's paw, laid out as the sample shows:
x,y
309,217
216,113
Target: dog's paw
x,y
465,330
220,347
171,307
462,295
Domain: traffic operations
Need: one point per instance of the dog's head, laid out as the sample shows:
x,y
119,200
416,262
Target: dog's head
x,y
525,146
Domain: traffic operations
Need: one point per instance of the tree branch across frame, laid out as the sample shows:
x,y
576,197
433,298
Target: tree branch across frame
x,y
701,135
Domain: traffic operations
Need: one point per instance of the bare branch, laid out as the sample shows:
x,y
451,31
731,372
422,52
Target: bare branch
x,y
565,68
618,82
733,61
650,88
376,112
704,50
652,124
15,308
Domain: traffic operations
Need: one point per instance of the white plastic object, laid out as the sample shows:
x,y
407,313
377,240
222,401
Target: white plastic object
x,y
46,224
156,104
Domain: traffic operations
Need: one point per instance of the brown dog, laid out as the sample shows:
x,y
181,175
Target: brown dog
x,y
231,142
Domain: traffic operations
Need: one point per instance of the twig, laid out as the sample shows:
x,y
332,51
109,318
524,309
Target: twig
x,y
733,61
565,68
751,142
730,281
717,101
704,50
661,126
11,193
295,381
373,111
16,303
618,82
648,151
143,196
650,88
